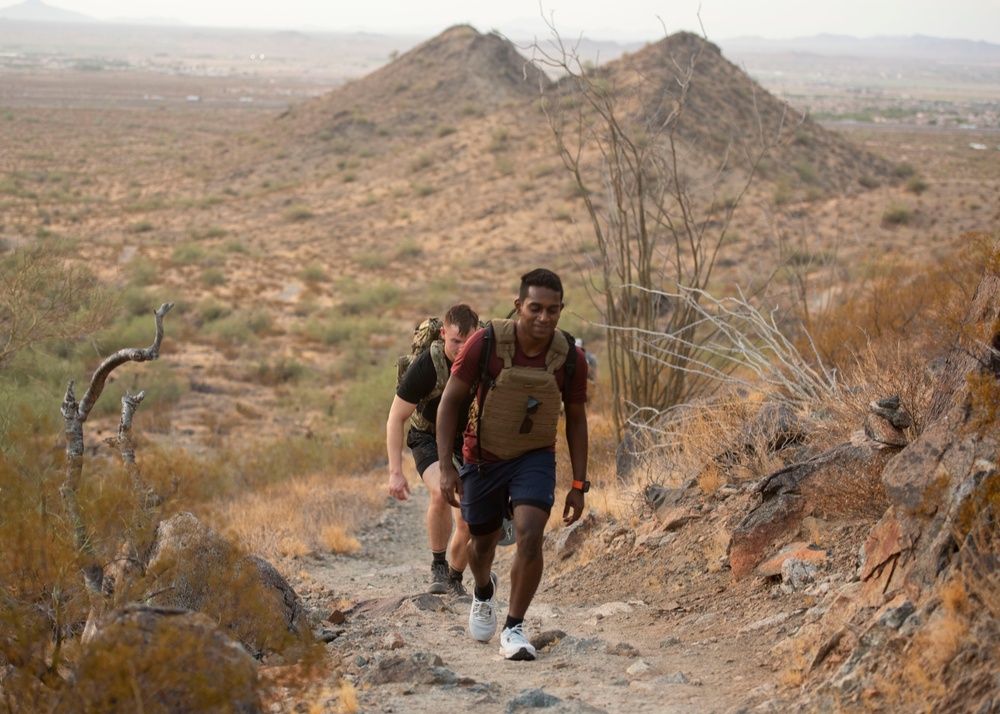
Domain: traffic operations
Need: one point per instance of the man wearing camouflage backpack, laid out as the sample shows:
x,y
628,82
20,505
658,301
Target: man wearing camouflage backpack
x,y
525,369
417,395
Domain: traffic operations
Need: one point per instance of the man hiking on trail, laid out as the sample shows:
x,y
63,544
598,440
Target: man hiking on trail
x,y
526,369
416,400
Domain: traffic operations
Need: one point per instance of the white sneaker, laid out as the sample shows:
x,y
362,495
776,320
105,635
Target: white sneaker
x,y
483,615
514,645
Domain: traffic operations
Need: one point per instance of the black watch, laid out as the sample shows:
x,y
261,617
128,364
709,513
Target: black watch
x,y
582,486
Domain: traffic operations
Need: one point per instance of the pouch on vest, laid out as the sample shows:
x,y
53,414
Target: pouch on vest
x,y
521,408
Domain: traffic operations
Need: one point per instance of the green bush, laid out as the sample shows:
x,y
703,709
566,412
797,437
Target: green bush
x,y
371,298
213,278
897,214
187,254
328,328
916,185
421,161
282,370
314,273
370,260
298,213
409,249
211,310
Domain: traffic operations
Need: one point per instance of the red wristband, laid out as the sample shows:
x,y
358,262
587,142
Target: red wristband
x,y
578,485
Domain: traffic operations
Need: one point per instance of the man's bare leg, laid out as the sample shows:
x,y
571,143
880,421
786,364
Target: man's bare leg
x,y
442,518
526,570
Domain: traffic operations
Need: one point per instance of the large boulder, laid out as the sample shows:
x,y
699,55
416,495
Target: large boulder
x,y
194,568
162,661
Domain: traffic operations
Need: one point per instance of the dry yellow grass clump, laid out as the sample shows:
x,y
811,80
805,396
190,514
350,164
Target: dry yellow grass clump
x,y
306,515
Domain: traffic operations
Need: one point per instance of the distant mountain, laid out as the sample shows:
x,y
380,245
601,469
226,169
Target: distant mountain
x,y
148,21
37,11
916,46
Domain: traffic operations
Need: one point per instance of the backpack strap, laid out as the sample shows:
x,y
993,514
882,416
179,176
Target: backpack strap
x,y
440,361
489,340
504,332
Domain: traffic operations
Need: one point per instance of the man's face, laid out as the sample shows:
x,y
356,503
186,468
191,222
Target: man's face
x,y
539,312
453,341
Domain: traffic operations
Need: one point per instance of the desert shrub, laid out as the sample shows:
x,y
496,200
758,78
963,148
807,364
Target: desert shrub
x,y
160,383
422,189
212,278
187,254
806,171
234,245
446,130
314,273
241,326
141,227
210,232
916,185
142,271
370,260
504,165
211,310
897,214
327,328
904,170
280,370
889,301
298,213
421,161
409,249
371,297
783,192
134,330
500,140
868,181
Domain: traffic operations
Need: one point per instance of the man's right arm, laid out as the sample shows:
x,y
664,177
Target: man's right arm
x,y
454,394
395,426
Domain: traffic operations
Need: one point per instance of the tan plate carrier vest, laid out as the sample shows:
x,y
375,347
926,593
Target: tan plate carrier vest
x,y
507,428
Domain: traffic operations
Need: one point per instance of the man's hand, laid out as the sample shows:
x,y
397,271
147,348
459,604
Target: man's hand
x,y
399,487
574,507
451,484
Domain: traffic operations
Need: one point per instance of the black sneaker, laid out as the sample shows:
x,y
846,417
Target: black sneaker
x,y
456,587
440,580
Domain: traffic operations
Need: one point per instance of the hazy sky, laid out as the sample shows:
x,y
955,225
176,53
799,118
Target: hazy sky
x,y
599,19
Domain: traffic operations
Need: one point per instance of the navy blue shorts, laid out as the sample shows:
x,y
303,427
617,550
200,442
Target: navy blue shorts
x,y
529,479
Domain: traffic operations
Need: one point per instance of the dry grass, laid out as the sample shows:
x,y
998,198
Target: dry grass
x,y
307,515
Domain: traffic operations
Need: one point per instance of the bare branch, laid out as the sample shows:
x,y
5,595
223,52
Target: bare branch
x,y
119,358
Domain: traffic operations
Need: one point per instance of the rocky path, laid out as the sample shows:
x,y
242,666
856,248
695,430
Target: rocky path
x,y
407,651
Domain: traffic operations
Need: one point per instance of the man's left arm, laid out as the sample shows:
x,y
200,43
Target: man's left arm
x,y
577,441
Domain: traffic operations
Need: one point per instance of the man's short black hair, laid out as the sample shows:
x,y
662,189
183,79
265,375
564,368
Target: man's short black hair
x,y
462,316
540,278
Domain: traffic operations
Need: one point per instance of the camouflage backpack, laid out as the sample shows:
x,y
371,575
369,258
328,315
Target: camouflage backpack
x,y
426,337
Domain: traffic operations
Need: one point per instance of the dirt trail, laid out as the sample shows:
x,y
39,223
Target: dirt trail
x,y
607,654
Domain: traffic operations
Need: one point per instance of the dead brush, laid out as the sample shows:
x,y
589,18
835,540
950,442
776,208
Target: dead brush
x,y
876,372
310,514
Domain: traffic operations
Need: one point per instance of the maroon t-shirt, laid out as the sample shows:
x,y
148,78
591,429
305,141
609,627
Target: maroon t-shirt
x,y
466,368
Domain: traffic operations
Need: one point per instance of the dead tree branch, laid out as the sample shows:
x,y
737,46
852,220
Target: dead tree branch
x,y
74,415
